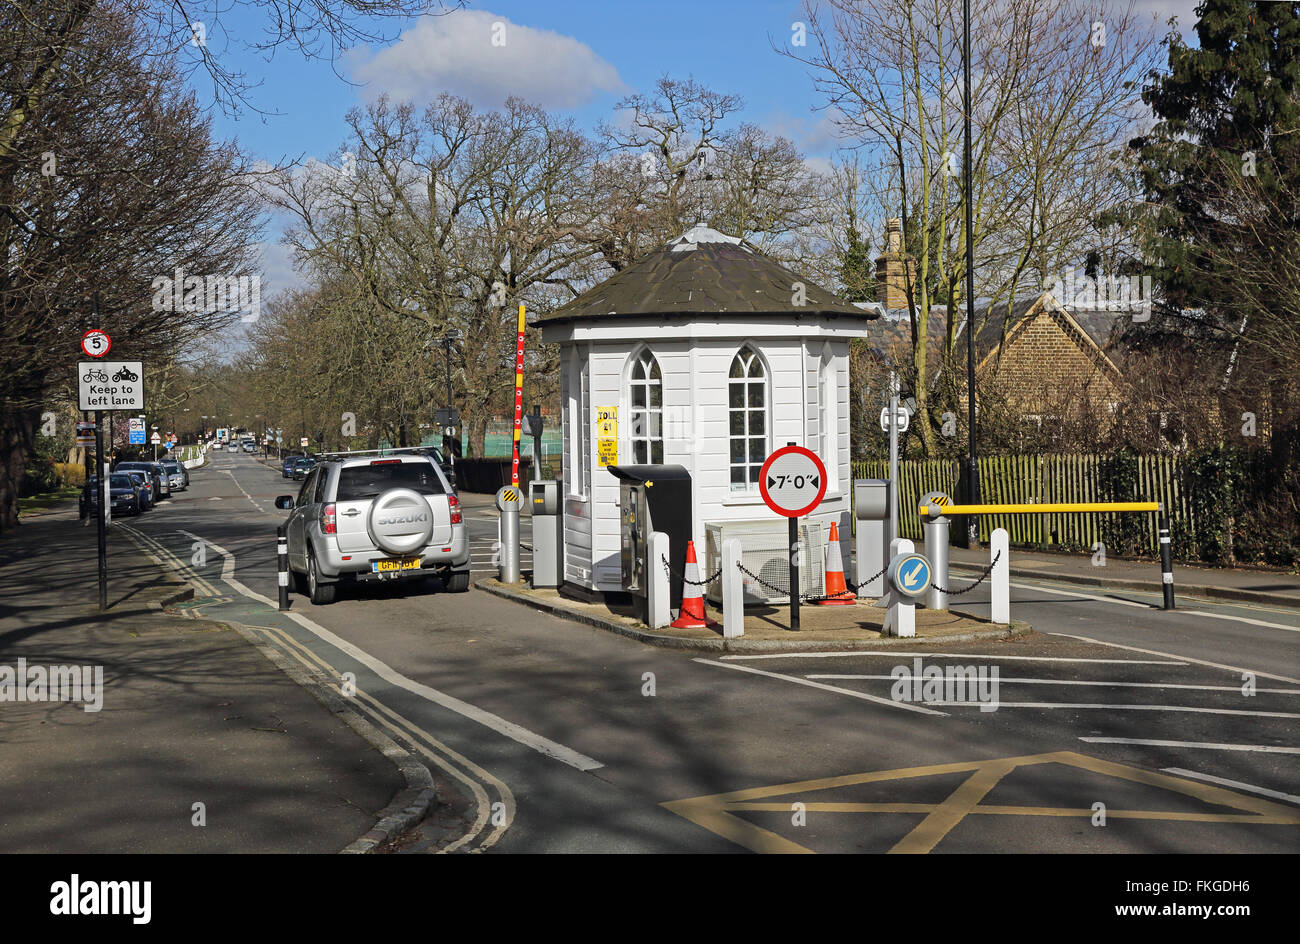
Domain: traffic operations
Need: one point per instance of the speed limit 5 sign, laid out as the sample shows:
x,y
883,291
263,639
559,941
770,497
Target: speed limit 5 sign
x,y
95,343
792,481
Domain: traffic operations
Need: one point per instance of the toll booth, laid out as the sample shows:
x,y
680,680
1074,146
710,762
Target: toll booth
x,y
653,498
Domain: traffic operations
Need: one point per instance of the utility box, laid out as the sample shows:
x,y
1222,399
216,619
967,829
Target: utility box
x,y
653,498
548,533
871,543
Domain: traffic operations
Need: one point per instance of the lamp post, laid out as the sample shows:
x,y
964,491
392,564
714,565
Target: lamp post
x,y
972,466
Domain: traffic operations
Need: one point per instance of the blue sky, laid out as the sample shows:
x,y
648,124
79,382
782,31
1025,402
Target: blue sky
x,y
578,57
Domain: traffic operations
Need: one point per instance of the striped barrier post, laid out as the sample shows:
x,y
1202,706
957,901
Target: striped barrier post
x,y
282,564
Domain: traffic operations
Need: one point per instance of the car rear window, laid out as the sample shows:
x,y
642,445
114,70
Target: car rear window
x,y
367,481
120,481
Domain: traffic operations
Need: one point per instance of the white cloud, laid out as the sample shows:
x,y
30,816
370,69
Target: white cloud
x,y
455,53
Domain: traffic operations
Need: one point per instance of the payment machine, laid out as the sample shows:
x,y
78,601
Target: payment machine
x,y
871,550
653,498
548,533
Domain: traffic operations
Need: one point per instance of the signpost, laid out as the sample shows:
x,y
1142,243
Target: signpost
x,y
793,483
135,430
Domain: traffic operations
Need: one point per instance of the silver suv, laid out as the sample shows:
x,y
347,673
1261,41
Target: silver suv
x,y
372,517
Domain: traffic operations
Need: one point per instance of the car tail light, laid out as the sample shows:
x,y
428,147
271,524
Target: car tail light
x,y
328,520
386,462
454,502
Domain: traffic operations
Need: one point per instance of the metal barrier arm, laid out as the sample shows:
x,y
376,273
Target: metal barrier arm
x,y
949,511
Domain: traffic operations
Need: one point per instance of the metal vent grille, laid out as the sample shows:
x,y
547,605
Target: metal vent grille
x,y
763,552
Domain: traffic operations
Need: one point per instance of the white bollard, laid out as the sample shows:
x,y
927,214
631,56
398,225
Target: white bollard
x,y
657,587
900,615
1000,578
733,590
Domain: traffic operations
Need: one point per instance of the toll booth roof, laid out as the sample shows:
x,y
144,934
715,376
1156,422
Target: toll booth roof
x,y
650,473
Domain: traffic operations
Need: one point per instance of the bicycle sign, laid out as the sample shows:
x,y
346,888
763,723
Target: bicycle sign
x,y
113,385
792,481
95,343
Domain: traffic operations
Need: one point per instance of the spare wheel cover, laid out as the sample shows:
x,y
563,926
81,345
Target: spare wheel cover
x,y
400,521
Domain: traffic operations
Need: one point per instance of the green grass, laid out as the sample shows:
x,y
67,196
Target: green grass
x,y
47,500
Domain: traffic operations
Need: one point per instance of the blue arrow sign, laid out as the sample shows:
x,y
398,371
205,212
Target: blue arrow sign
x,y
910,574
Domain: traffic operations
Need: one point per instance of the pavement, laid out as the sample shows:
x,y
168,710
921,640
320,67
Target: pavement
x,y
200,744
1250,585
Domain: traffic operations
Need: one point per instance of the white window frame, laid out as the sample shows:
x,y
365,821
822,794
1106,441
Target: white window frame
x,y
644,432
828,421
749,464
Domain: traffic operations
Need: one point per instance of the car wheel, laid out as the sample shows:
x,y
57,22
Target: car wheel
x,y
457,581
318,592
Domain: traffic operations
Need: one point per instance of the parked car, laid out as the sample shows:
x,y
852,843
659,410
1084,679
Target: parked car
x,y
123,495
144,483
286,467
302,466
218,446
162,482
371,518
178,477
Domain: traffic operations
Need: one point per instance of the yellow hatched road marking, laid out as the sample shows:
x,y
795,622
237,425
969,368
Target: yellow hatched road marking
x,y
716,813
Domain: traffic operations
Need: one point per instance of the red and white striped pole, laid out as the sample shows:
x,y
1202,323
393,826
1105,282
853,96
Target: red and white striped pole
x,y
519,397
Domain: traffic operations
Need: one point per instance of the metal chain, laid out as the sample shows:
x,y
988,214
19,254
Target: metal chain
x,y
694,583
984,576
808,597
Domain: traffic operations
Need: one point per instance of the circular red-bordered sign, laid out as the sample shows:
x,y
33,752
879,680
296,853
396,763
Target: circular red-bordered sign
x,y
792,481
96,343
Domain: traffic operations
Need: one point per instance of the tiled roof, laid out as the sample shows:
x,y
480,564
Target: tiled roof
x,y
704,273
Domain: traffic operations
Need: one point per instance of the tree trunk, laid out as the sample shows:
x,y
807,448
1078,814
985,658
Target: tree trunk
x,y
17,434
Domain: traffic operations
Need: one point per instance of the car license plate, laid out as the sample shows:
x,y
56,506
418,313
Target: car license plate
x,y
400,563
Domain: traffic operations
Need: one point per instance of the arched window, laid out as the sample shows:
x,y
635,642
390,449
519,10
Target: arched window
x,y
747,415
646,399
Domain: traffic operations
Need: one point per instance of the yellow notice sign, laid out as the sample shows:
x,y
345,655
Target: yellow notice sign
x,y
607,422
607,452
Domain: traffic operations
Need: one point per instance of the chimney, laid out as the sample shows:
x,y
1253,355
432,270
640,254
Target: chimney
x,y
891,279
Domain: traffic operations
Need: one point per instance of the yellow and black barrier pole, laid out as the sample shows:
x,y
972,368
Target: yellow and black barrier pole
x,y
1166,552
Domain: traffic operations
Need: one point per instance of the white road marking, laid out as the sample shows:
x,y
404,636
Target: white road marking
x,y
1237,784
441,755
1004,680
826,688
943,655
1084,596
1156,652
1172,708
1199,745
165,558
1241,619
537,742
246,495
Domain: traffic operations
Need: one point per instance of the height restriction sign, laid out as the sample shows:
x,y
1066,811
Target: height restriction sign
x,y
792,481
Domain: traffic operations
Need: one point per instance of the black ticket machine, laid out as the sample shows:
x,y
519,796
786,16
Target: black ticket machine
x,y
653,498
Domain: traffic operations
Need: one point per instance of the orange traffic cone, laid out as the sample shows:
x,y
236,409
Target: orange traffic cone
x,y
692,614
837,593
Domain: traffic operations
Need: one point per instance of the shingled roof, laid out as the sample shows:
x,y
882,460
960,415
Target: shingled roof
x,y
703,272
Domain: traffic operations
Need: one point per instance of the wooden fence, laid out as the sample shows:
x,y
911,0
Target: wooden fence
x,y
1051,478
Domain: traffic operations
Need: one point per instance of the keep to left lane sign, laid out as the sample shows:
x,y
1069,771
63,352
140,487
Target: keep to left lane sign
x,y
792,481
110,385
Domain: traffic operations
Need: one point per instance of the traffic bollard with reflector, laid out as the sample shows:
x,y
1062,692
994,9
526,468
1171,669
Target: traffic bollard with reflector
x,y
733,590
837,592
282,562
692,614
1166,562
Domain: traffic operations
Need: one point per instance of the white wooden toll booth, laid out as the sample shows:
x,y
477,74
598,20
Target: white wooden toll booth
x,y
710,355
